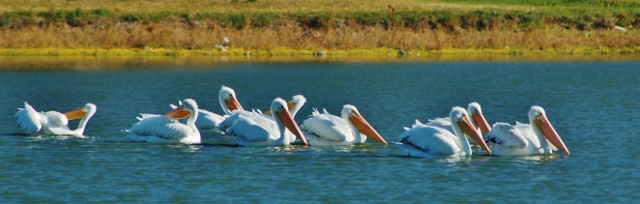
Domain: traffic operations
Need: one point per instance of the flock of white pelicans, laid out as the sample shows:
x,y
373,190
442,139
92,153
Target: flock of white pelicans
x,y
441,137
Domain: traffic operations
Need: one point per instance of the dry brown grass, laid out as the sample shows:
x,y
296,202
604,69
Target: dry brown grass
x,y
339,32
205,35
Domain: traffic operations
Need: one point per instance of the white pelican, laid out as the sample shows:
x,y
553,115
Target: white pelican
x,y
53,122
167,128
324,129
433,142
294,105
254,129
525,139
208,120
476,114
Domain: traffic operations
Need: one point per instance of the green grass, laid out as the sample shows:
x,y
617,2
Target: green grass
x,y
481,19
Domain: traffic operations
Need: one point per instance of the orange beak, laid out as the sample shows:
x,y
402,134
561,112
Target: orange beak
x,y
472,133
233,104
75,114
365,128
291,124
478,117
178,113
550,133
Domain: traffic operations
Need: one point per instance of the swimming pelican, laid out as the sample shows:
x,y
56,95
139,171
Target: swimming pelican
x,y
208,120
167,128
254,129
324,129
526,139
478,121
434,142
294,105
53,122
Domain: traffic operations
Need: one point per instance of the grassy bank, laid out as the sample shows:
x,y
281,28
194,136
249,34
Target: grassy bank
x,y
288,27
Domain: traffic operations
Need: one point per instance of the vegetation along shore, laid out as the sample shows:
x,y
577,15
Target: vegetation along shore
x,y
321,27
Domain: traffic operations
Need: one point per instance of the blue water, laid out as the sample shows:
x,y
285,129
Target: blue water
x,y
592,104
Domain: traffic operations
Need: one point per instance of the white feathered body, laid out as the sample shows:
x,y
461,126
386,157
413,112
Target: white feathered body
x,y
254,129
519,140
324,129
158,128
33,122
429,141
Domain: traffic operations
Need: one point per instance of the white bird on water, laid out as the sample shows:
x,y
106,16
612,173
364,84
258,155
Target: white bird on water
x,y
208,120
537,137
166,128
255,129
434,142
294,105
53,122
324,129
478,121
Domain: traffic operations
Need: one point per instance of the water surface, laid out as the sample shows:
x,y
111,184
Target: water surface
x,y
592,104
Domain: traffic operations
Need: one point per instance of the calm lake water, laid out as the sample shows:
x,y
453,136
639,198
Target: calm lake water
x,y
592,104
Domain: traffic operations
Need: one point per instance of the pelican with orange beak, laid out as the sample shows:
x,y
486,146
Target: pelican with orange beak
x,y
294,105
53,122
435,142
254,129
477,120
228,100
538,137
167,128
208,120
324,129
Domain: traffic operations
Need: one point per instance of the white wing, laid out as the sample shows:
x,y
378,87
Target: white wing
x,y
326,126
506,135
444,123
528,132
234,116
208,120
56,119
432,140
253,128
29,120
144,116
160,126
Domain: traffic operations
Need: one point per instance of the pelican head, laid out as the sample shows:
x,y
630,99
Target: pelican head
x,y
188,107
279,107
227,98
459,116
351,113
478,118
295,100
538,117
294,104
81,112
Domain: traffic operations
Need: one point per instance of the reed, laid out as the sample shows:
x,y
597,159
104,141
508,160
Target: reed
x,y
323,25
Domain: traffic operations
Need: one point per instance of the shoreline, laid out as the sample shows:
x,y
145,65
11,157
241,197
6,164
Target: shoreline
x,y
115,59
284,51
